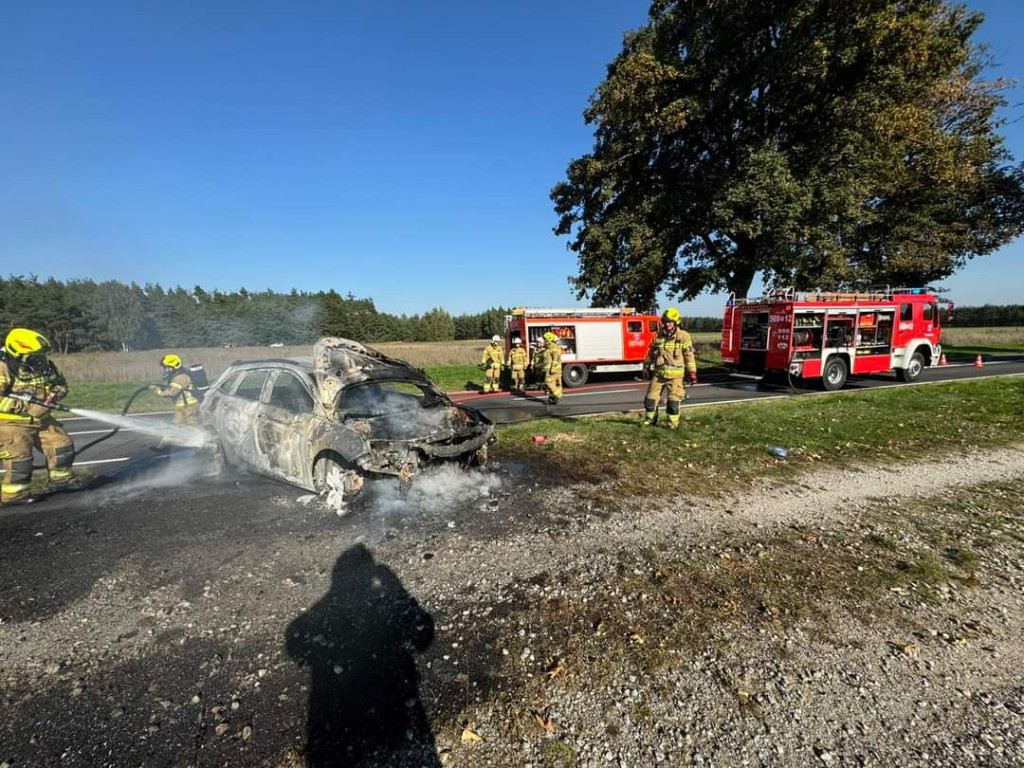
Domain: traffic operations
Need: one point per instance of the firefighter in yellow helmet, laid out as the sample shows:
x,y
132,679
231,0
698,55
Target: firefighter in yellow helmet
x,y
491,362
537,361
553,368
516,363
27,374
671,361
179,389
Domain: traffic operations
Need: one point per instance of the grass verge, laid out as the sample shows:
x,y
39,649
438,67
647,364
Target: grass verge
x,y
111,396
723,447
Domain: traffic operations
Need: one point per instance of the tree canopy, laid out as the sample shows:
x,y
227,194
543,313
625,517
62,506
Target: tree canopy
x,y
83,315
823,143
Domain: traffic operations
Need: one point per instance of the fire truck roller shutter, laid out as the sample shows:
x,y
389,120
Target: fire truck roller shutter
x,y
599,340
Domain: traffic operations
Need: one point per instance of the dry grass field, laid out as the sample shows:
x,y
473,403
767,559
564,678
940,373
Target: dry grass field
x,y
1006,337
145,366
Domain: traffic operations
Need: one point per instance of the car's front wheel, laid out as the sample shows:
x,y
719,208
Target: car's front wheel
x,y
334,481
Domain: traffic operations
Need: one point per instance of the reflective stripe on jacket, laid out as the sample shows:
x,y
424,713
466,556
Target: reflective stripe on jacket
x,y
553,357
517,359
493,356
17,379
672,356
180,391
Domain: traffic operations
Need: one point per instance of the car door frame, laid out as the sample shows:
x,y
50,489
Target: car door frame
x,y
236,420
288,431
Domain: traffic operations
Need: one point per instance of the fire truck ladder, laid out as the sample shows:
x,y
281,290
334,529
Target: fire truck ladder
x,y
874,293
573,312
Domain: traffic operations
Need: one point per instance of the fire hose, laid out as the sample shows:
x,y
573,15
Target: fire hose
x,y
64,409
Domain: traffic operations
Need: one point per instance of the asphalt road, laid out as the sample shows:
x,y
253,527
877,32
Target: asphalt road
x,y
612,396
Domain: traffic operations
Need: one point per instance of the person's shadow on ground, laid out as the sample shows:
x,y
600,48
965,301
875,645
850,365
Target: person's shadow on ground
x,y
359,643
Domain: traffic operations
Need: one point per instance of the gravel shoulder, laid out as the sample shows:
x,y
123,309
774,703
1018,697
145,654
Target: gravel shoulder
x,y
857,617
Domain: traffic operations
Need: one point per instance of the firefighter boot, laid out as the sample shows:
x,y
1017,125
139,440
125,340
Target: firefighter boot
x,y
650,414
15,493
63,480
672,409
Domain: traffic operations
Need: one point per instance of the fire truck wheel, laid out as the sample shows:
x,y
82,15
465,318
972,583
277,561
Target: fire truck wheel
x,y
834,375
575,375
913,370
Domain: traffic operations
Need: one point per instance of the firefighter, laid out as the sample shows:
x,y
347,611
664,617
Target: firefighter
x,y
671,362
491,362
538,361
180,389
27,372
517,365
553,368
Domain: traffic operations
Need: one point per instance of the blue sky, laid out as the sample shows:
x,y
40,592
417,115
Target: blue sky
x,y
402,151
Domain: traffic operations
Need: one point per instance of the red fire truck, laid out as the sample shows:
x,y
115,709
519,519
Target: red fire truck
x,y
592,340
833,335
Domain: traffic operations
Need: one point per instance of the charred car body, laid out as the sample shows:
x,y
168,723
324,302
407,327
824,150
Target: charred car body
x,y
348,413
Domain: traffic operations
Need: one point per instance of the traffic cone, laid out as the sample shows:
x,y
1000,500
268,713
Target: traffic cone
x,y
942,359
978,363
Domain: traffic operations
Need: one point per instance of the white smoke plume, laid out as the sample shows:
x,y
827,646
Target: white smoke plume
x,y
435,489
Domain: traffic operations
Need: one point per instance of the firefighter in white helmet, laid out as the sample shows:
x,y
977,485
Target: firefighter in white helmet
x,y
491,362
671,361
516,363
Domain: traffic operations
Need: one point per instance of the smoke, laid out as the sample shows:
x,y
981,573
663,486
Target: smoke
x,y
176,469
436,489
176,434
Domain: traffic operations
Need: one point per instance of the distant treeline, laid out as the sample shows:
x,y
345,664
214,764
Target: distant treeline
x,y
83,315
988,316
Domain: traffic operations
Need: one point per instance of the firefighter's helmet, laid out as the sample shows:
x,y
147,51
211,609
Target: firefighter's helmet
x,y
517,341
495,339
171,361
22,343
671,316
549,336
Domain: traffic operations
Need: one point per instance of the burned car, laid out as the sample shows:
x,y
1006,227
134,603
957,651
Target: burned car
x,y
347,414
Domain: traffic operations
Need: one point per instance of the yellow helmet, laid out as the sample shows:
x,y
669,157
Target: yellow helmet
x,y
671,316
549,336
22,342
171,361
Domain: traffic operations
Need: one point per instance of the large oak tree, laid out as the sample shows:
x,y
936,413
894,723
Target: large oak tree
x,y
821,142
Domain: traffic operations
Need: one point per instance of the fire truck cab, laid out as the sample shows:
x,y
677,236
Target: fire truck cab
x,y
596,340
831,335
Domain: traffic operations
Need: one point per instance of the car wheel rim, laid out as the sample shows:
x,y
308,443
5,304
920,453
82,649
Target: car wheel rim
x,y
915,368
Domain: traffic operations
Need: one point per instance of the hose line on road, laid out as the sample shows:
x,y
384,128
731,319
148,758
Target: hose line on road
x,y
111,433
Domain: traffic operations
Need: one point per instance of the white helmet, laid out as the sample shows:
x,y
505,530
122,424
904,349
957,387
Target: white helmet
x,y
517,340
495,338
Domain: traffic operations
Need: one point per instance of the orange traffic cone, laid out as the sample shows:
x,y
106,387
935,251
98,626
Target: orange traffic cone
x,y
942,359
978,363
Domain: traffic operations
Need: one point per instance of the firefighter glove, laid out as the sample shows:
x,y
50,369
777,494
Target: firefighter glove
x,y
691,377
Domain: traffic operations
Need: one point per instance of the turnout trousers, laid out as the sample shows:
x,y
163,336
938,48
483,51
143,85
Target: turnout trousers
x,y
187,415
676,393
16,444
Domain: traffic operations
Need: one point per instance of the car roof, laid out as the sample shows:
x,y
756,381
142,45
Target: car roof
x,y
306,363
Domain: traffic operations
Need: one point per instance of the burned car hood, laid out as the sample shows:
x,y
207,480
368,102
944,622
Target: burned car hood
x,y
339,363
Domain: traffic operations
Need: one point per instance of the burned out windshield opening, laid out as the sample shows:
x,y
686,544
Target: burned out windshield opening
x,y
385,398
